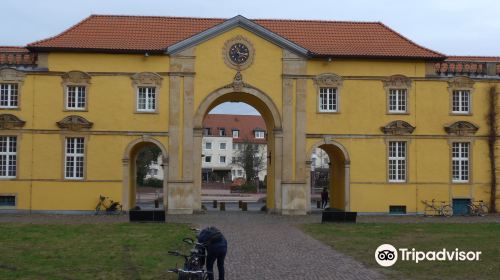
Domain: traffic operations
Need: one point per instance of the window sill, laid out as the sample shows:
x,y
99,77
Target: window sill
x,y
10,108
460,114
75,110
146,112
397,113
328,112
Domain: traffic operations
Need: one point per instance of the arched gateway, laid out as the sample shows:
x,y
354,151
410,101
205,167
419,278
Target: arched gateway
x,y
77,107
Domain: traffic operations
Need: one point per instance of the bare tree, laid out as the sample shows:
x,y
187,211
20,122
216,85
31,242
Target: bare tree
x,y
251,159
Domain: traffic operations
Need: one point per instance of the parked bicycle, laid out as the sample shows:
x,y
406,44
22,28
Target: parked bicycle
x,y
107,205
478,208
194,263
431,209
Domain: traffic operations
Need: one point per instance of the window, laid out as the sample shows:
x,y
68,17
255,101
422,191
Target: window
x,y
76,98
397,161
461,102
208,145
9,94
259,134
222,132
240,172
222,159
222,146
397,209
460,162
146,99
75,154
7,200
233,159
206,131
328,101
236,133
208,158
8,156
397,101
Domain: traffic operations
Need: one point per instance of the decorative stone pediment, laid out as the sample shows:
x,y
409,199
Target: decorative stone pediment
x,y
328,80
460,83
76,77
146,79
398,128
9,121
74,123
461,128
237,85
11,75
397,81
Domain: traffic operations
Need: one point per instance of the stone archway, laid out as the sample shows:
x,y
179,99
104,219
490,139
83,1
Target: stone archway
x,y
268,110
129,169
340,181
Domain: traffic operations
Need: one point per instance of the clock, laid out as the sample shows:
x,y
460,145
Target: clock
x,y
238,53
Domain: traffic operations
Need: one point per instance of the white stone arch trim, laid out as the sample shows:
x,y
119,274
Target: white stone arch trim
x,y
210,99
328,141
126,169
347,168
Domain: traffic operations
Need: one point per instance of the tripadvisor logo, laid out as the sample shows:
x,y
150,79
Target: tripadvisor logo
x,y
387,255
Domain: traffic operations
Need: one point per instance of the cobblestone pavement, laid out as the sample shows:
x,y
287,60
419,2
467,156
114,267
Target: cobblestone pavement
x,y
270,247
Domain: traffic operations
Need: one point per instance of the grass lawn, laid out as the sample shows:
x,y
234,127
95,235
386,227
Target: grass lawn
x,y
90,251
361,240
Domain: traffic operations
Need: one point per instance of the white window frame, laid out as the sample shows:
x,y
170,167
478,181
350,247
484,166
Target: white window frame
x,y
146,99
397,155
460,162
221,159
398,100
9,93
222,131
222,144
259,134
236,133
8,157
208,145
461,101
208,159
74,152
328,101
74,96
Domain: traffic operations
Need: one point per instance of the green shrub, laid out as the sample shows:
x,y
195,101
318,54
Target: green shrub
x,y
153,182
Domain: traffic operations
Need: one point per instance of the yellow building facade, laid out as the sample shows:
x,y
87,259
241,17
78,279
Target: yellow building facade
x,y
399,129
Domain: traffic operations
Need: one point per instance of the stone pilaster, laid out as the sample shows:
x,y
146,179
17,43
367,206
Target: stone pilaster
x,y
182,197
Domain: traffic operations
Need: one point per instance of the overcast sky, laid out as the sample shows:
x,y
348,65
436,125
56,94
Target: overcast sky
x,y
452,27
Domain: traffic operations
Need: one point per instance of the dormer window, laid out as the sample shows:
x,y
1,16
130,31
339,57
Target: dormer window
x,y
236,133
259,134
222,132
206,131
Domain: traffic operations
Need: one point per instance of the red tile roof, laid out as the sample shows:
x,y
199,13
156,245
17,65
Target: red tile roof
x,y
246,124
10,55
155,34
474,58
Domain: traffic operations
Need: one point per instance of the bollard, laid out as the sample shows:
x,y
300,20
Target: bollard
x,y
240,204
318,204
222,206
215,204
244,206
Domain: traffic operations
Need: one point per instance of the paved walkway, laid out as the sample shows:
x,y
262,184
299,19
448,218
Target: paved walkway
x,y
270,247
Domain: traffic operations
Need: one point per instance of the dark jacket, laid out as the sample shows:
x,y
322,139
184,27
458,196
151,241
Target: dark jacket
x,y
213,238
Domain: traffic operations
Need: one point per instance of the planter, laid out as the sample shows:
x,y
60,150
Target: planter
x,y
147,215
332,216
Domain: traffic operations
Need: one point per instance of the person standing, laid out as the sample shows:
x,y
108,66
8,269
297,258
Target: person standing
x,y
216,250
324,198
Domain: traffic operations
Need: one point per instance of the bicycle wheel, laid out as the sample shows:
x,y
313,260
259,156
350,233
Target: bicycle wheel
x,y
482,210
447,211
97,208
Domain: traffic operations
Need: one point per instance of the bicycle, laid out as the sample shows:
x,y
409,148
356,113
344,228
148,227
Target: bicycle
x,y
478,209
441,210
194,263
107,205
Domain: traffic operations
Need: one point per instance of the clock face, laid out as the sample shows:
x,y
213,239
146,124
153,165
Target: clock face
x,y
239,53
